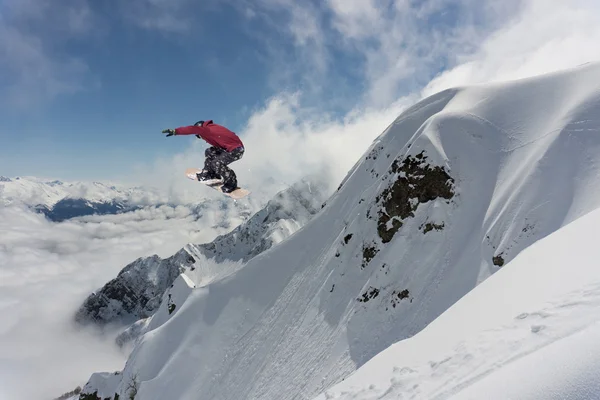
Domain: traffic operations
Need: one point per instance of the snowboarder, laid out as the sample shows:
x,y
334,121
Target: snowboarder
x,y
226,147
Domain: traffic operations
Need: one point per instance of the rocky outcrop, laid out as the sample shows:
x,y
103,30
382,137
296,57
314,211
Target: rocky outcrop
x,y
136,292
416,183
104,386
172,301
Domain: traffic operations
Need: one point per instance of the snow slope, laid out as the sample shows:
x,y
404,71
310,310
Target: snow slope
x,y
454,189
529,332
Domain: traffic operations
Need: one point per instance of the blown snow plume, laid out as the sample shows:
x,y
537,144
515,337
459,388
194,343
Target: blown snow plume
x,y
452,191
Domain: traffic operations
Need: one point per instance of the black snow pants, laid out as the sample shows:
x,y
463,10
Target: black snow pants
x,y
216,161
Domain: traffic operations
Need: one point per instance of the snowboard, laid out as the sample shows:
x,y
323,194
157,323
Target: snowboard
x,y
216,184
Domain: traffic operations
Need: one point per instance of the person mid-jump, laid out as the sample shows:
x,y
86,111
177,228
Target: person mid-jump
x,y
226,147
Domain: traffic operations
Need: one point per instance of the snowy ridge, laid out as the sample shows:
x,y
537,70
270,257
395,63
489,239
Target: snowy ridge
x,y
135,294
289,210
172,299
137,290
452,191
103,385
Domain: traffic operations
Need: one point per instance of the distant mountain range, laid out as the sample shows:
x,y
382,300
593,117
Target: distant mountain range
x,y
60,200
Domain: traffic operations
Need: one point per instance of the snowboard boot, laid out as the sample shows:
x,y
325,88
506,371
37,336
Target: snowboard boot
x,y
208,177
228,188
229,182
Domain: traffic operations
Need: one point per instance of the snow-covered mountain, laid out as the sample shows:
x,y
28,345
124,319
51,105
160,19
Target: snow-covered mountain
x,y
60,200
287,212
72,208
34,191
137,291
530,332
449,194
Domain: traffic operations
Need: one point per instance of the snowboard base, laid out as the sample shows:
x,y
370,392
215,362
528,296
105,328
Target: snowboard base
x,y
216,184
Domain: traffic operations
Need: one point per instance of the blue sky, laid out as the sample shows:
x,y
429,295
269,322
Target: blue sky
x,y
131,83
86,87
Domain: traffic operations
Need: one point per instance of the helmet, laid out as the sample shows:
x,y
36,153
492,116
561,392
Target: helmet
x,y
199,123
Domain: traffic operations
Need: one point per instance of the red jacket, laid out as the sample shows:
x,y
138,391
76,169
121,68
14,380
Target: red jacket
x,y
215,135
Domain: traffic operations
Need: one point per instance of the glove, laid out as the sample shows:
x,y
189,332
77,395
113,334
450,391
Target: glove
x,y
170,132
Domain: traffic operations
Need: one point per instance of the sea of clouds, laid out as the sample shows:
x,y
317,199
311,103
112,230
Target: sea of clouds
x,y
46,271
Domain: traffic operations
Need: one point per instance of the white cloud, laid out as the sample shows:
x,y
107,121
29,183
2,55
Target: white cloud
x,y
356,18
47,270
169,16
35,73
287,138
285,141
392,47
546,36
32,32
293,41
404,45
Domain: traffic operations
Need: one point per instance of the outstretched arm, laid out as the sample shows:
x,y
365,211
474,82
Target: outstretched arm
x,y
186,130
191,130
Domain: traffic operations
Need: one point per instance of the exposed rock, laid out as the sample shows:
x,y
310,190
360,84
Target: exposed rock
x,y
368,253
102,386
371,293
417,183
70,394
136,292
89,396
347,238
498,260
171,306
428,227
172,300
